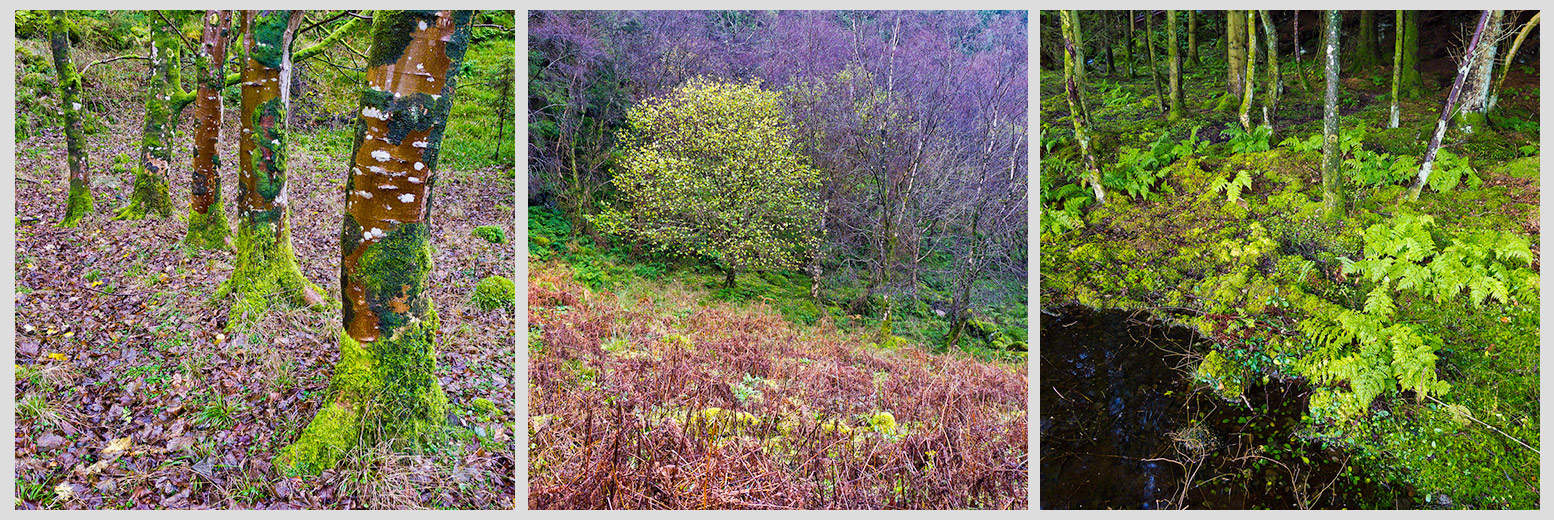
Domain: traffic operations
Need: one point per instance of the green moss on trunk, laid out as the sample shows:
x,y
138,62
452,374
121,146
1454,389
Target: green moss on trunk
x,y
208,230
384,389
150,197
266,275
78,205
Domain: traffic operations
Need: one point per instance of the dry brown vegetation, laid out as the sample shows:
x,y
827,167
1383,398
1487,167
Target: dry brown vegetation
x,y
654,397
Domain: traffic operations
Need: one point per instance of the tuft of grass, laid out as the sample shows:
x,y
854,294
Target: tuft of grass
x,y
219,413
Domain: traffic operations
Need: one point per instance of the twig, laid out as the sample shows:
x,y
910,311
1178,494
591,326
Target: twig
x,y
111,60
1486,425
327,20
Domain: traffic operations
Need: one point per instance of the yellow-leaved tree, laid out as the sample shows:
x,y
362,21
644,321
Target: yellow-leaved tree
x,y
709,170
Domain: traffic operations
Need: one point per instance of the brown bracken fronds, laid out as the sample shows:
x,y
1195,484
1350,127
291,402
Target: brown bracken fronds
x,y
657,399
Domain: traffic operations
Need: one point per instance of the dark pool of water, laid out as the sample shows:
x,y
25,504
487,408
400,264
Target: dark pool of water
x,y
1121,424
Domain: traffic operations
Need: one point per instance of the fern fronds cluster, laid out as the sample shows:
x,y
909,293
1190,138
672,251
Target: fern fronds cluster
x,y
1373,350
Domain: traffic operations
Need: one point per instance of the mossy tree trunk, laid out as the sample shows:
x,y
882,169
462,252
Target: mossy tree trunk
x,y
1250,78
156,151
266,270
1412,84
1275,79
1474,114
1127,49
79,202
1192,36
1176,68
1300,69
385,386
1367,51
1505,64
1071,93
1235,52
1076,35
1333,196
207,218
1154,67
1397,69
1446,110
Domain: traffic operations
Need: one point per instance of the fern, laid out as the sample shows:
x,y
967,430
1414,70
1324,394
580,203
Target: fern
x,y
1232,187
1373,350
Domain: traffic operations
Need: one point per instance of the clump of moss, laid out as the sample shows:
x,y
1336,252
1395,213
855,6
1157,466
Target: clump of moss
x,y
883,422
492,234
1227,378
149,197
493,292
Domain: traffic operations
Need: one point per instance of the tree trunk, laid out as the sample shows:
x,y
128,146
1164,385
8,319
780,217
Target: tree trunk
x,y
1446,110
1505,65
1413,83
1300,69
1250,78
79,202
385,385
1275,80
1192,37
266,271
1071,92
1154,68
1127,50
1366,52
1332,183
207,218
1474,113
1235,52
1176,69
1077,36
1397,69
729,274
156,150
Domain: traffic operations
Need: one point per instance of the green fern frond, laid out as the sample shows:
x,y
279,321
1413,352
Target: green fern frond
x,y
1379,303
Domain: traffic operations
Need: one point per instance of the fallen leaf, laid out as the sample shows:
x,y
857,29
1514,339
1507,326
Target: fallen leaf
x,y
117,446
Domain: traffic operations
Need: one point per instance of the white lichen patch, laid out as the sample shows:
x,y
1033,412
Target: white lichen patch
x,y
419,166
407,198
380,155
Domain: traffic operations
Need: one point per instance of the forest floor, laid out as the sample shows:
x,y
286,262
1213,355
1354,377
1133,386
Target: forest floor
x,y
129,392
1245,266
650,389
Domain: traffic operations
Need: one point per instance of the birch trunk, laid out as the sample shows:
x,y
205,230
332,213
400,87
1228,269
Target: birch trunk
x,y
1176,69
1446,110
385,385
79,203
265,271
1154,68
156,150
1333,197
1474,114
207,218
1250,78
1275,80
1397,69
1071,92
